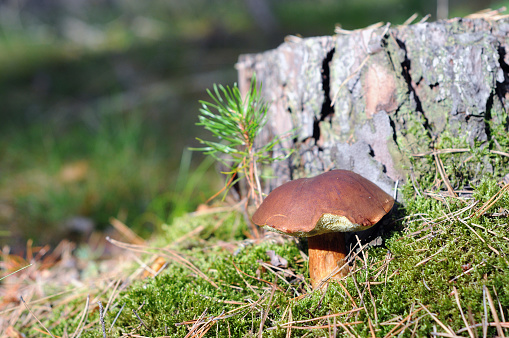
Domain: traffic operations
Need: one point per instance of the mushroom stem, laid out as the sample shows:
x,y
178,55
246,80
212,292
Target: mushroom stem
x,y
326,253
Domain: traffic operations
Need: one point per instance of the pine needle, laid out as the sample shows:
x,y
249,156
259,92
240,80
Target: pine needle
x,y
500,332
320,318
12,273
44,327
170,253
489,203
450,333
456,297
79,328
266,311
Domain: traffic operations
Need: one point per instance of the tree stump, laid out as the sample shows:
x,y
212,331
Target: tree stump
x,y
367,100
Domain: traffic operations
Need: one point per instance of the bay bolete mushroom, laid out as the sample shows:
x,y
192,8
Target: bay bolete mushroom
x,y
322,208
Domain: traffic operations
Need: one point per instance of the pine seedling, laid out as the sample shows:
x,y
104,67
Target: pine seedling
x,y
236,122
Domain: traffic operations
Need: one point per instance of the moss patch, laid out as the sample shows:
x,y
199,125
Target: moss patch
x,y
439,251
443,267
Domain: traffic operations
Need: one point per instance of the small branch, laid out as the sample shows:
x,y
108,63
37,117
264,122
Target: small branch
x,y
101,318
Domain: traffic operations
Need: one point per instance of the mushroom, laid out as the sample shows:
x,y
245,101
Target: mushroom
x,y
322,208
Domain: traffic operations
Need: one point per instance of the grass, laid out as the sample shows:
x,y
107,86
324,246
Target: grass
x,y
112,167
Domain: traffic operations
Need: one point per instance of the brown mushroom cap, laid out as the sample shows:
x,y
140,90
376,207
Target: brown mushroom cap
x,y
338,200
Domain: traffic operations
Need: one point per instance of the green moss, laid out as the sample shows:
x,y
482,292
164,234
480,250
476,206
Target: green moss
x,y
238,286
439,247
213,227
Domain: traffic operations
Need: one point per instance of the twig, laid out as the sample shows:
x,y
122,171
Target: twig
x,y
402,321
404,327
193,232
488,14
490,231
290,319
43,299
499,153
368,286
343,326
485,317
219,300
205,327
197,323
111,296
410,19
101,318
226,186
286,271
499,305
317,327
258,185
371,329
335,271
258,279
468,226
229,314
270,268
442,151
471,320
473,326
345,81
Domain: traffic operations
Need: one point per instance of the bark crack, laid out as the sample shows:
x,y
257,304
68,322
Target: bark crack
x,y
327,109
406,74
501,90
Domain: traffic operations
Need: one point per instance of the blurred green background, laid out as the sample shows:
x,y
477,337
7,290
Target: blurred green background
x,y
99,99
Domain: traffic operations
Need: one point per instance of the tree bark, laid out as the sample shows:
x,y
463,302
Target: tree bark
x,y
368,99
